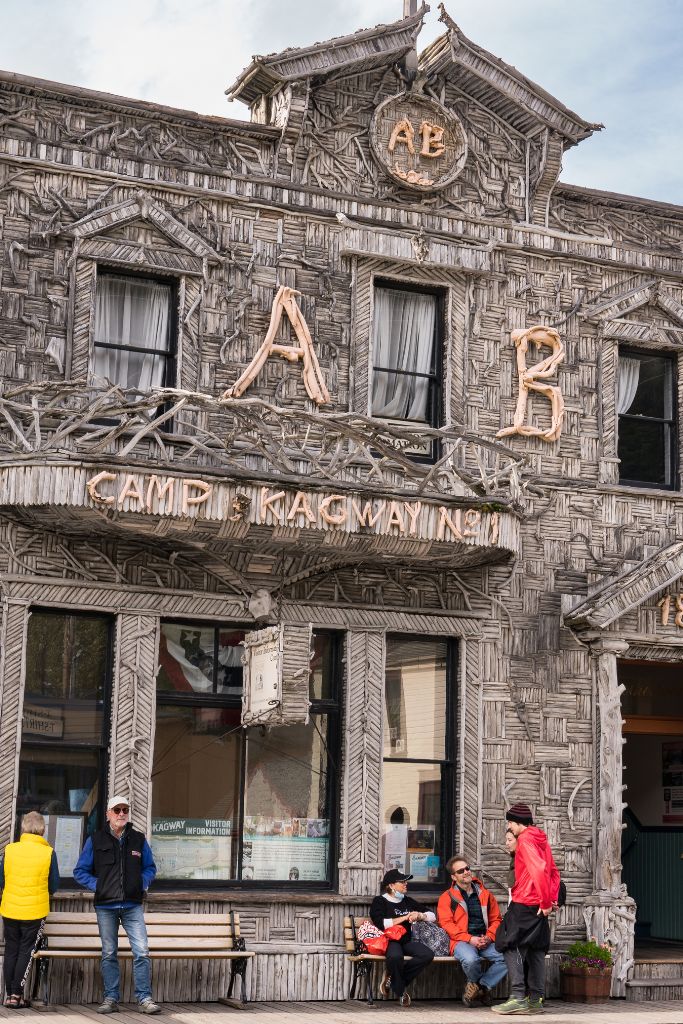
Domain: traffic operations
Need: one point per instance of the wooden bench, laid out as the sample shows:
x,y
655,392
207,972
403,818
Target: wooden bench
x,y
363,962
187,936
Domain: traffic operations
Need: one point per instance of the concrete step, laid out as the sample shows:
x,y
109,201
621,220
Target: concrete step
x,y
654,989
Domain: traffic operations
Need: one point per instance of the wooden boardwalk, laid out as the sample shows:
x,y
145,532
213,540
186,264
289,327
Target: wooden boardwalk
x,y
441,1012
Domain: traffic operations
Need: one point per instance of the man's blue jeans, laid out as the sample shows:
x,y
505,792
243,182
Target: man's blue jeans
x,y
471,960
133,922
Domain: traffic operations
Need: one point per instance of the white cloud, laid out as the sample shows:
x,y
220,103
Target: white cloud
x,y
606,59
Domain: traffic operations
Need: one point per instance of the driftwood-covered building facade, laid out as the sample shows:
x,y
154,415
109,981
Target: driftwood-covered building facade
x,y
362,370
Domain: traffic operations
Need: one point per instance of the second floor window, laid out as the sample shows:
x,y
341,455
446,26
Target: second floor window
x,y
406,371
134,344
645,405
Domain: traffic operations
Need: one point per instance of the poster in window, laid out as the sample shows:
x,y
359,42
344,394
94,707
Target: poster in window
x,y
192,848
395,846
64,833
276,849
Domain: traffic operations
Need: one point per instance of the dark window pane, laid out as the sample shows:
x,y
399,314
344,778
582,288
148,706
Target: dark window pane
x,y
653,393
401,397
404,331
132,311
66,669
63,785
645,451
652,688
286,827
195,795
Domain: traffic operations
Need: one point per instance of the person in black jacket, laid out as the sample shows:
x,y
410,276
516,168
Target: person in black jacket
x,y
117,865
391,907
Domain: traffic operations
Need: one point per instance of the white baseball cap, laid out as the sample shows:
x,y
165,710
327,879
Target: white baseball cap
x,y
114,801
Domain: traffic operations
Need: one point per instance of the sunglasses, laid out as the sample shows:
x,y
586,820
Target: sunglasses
x,y
120,810
461,871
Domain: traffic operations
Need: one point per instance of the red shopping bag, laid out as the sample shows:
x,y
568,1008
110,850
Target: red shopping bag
x,y
378,945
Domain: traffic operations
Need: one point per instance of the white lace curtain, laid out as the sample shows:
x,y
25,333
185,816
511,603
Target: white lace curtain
x,y
133,313
403,335
627,382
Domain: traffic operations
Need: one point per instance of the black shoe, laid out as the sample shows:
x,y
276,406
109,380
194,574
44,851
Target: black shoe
x,y
404,999
485,997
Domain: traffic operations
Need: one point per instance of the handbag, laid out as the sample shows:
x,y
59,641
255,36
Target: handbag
x,y
376,941
433,936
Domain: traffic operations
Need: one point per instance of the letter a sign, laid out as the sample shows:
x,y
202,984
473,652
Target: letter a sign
x,y
314,381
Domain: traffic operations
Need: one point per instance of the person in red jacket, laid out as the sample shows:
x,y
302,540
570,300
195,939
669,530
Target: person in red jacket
x,y
524,936
471,916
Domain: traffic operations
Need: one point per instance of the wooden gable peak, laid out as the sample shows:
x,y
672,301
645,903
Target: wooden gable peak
x,y
501,88
361,51
647,293
142,207
628,590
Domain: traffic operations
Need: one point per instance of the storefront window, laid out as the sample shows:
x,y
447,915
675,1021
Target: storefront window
x,y
419,748
232,804
64,737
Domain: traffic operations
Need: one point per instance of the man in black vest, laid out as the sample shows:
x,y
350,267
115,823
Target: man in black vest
x,y
117,865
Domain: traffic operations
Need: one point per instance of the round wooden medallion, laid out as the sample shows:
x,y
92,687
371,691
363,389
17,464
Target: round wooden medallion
x,y
419,143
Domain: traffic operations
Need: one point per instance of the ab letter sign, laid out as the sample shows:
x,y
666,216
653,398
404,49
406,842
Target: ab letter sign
x,y
419,143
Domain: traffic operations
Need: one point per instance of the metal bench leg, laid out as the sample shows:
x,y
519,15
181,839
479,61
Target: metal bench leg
x,y
354,979
237,967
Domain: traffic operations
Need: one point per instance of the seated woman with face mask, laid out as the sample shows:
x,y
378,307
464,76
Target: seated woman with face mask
x,y
394,906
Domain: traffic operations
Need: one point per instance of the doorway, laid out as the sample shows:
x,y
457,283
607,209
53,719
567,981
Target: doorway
x,y
652,845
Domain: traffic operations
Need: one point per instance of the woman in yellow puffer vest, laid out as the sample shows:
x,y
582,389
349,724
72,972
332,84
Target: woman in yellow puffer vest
x,y
28,875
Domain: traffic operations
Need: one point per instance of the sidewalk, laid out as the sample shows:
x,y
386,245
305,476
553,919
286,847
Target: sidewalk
x,y
613,1012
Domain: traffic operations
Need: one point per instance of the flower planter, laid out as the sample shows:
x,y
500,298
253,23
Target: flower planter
x,y
585,984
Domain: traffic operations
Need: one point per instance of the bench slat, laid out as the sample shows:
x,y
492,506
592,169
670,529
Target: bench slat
x,y
215,930
155,942
156,954
88,917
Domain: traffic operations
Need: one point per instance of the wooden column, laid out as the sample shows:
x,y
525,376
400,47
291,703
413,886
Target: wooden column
x,y
15,616
360,869
133,713
609,911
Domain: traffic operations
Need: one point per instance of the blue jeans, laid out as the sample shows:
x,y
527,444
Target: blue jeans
x,y
471,960
133,921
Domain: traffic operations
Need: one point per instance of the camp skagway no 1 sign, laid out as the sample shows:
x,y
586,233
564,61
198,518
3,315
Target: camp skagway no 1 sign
x,y
418,142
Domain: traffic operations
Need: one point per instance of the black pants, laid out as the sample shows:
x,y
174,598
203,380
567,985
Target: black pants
x,y
402,971
21,938
526,970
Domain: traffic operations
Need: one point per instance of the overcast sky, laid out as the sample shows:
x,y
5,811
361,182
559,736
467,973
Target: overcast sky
x,y
615,61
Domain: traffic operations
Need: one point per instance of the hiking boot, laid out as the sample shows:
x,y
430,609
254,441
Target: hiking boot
x,y
385,985
471,994
149,1006
485,997
404,999
512,1005
108,1006
536,1005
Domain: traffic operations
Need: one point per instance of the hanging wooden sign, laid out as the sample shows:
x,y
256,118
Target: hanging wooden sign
x,y
277,666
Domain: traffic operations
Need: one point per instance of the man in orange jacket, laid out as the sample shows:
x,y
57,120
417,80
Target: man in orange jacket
x,y
471,916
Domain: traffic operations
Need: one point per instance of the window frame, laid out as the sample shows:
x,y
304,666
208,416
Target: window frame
x,y
449,763
103,747
672,455
170,377
435,399
330,707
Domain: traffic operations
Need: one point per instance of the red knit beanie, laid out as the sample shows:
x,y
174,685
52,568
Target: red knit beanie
x,y
521,813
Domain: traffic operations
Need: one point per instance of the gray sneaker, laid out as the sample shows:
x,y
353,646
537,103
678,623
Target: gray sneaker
x,y
108,1006
149,1006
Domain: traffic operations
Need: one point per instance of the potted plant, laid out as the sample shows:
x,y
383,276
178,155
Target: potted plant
x,y
586,972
